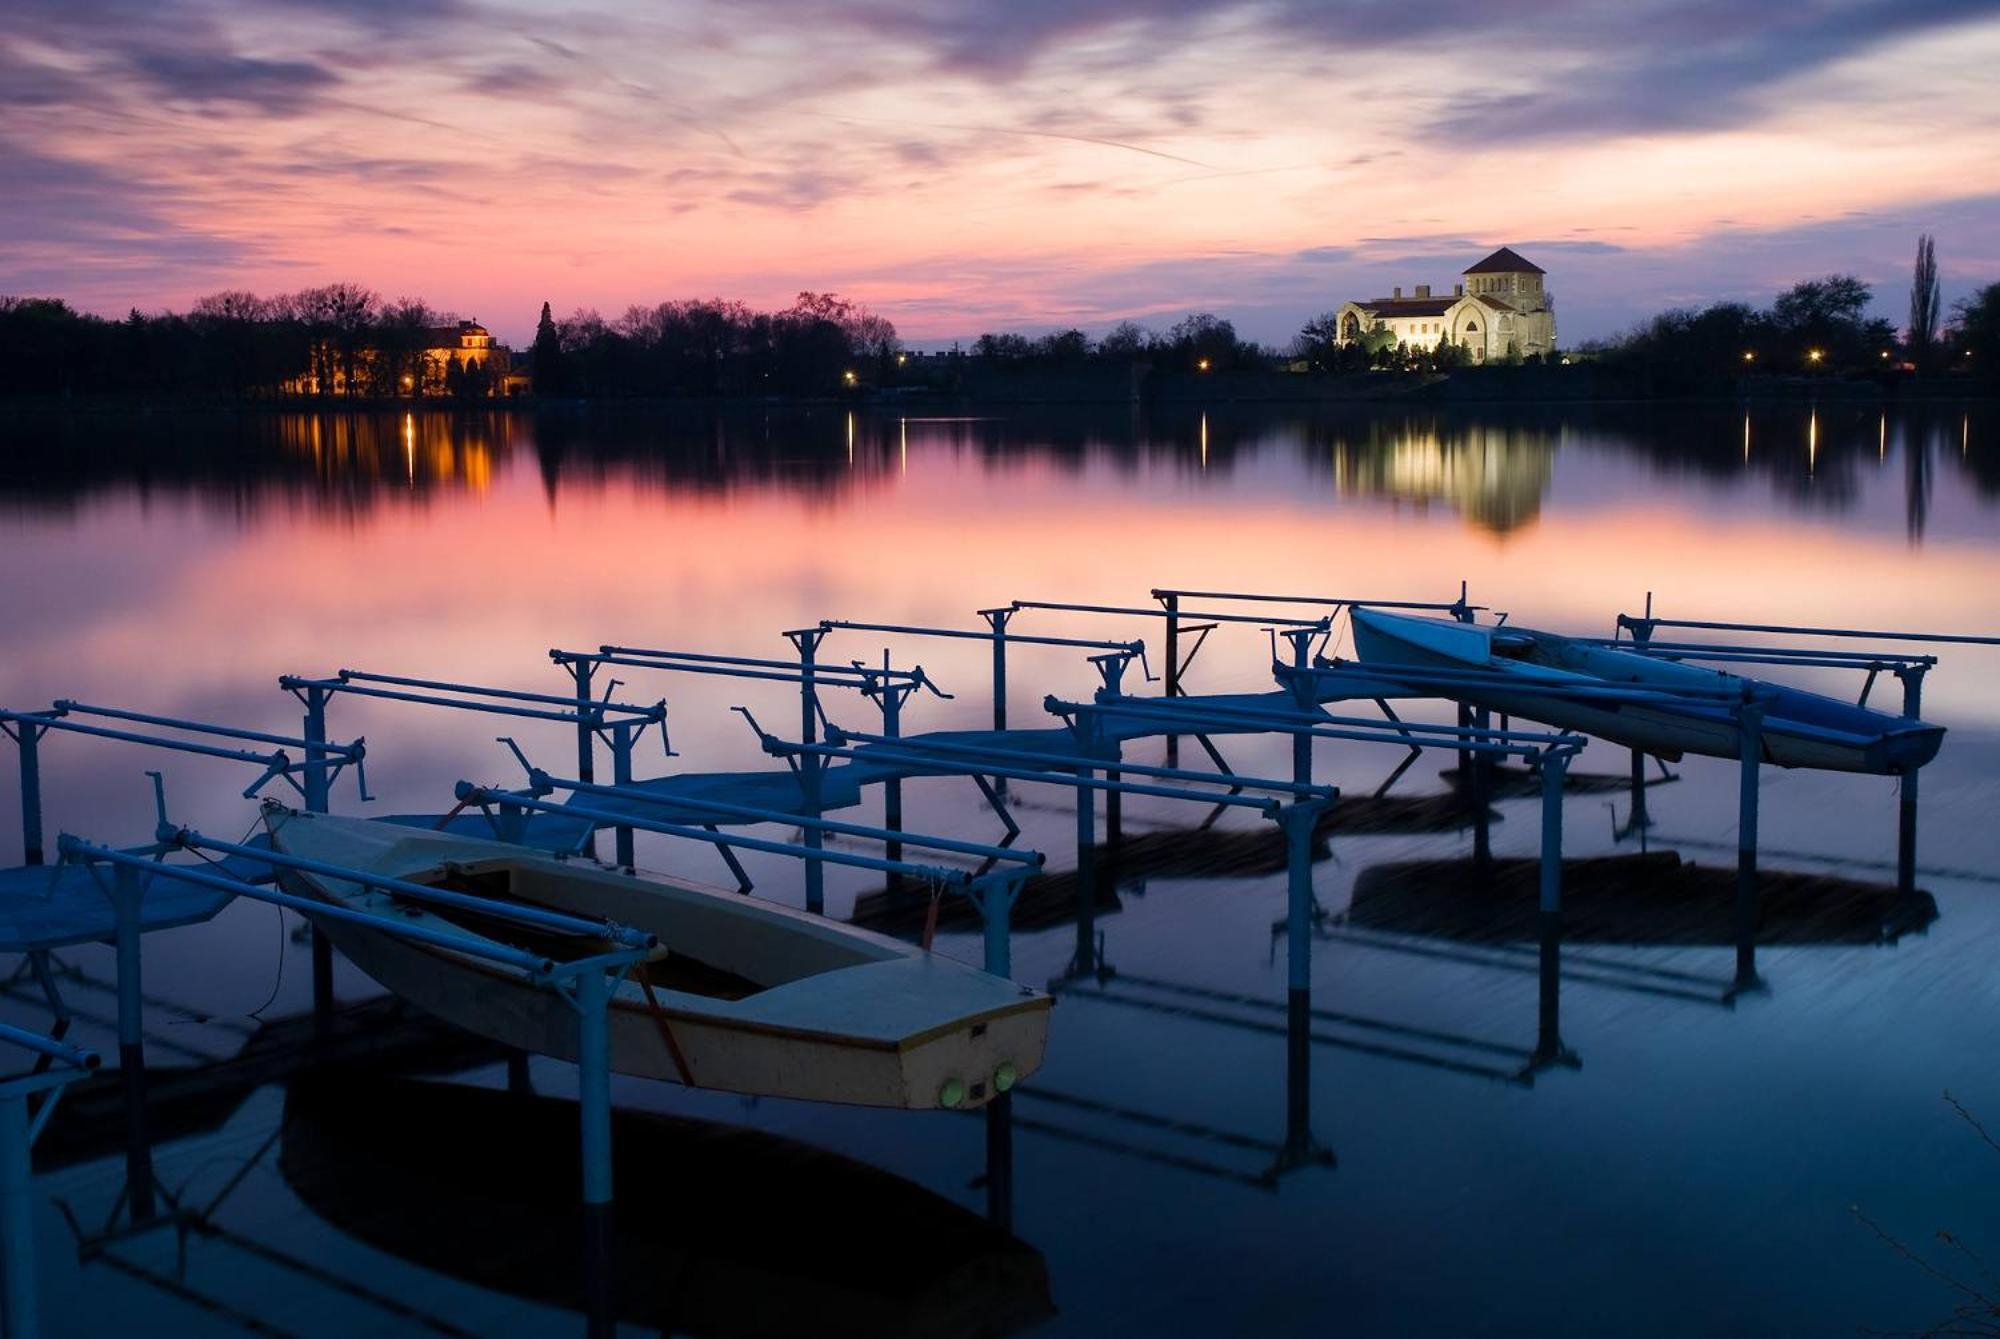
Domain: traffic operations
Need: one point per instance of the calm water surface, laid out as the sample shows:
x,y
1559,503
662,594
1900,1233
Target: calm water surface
x,y
1695,1174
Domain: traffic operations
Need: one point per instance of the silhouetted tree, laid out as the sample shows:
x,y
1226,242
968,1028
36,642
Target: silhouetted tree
x,y
1924,305
546,357
1975,334
1128,339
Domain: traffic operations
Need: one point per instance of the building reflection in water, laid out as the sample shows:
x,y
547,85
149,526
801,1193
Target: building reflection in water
x,y
1493,474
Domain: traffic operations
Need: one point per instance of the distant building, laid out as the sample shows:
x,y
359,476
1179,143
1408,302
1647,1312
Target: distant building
x,y
1501,308
437,360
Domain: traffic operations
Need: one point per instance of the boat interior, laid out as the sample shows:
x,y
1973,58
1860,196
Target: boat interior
x,y
707,950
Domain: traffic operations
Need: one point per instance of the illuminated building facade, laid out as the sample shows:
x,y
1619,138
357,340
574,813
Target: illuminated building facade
x,y
1501,309
457,359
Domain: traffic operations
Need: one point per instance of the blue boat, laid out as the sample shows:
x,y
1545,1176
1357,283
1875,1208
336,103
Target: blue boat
x,y
1800,729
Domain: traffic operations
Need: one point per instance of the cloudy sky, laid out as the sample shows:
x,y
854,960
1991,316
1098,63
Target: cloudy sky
x,y
963,165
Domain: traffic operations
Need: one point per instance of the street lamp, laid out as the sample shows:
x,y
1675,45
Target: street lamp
x,y
1814,355
1749,355
1201,365
848,376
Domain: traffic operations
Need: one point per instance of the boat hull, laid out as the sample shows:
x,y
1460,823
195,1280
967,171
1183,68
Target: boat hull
x,y
1853,739
812,1048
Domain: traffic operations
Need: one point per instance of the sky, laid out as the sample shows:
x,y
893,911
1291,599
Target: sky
x,y
962,165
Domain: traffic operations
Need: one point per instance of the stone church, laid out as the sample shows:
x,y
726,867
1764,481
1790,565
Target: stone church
x,y
1501,308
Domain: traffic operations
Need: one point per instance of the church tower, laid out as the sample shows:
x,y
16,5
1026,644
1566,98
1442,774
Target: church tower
x,y
1509,276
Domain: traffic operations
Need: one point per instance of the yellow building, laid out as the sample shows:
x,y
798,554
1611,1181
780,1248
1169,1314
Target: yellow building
x,y
1501,308
435,360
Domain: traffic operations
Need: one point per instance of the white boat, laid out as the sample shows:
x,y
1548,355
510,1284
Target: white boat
x,y
1800,729
751,997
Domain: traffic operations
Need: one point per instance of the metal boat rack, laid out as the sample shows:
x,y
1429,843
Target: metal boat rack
x,y
1637,633
57,1064
584,983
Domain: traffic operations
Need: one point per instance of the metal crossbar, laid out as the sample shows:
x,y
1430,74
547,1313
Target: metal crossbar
x,y
1636,622
576,714
1056,769
541,781
76,1057
538,917
1507,742
74,708
277,761
1338,602
77,849
1012,639
482,795
1142,612
1806,657
648,712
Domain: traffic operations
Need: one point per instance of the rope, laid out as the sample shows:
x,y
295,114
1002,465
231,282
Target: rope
x,y
666,1032
278,980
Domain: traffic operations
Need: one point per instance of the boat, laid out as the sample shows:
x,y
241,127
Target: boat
x,y
720,1230
1800,729
744,995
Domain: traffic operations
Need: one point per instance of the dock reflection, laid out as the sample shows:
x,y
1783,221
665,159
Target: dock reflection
x,y
721,1229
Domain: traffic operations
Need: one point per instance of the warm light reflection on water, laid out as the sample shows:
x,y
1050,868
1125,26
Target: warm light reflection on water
x,y
179,563
287,537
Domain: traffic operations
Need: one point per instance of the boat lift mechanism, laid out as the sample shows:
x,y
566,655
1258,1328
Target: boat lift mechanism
x,y
621,723
585,983
1295,806
1549,752
889,688
66,912
321,764
1909,669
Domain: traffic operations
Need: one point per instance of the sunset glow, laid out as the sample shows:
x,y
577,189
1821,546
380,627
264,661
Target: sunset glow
x,y
1088,163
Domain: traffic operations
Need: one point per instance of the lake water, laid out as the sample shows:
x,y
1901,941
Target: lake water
x,y
1697,1171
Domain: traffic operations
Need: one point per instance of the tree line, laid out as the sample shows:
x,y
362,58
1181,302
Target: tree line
x,y
344,339
1821,326
819,345
1200,341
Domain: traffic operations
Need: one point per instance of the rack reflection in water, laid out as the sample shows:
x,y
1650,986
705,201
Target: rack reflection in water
x,y
721,1230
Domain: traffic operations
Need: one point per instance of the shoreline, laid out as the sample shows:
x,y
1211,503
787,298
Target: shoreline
x,y
1511,386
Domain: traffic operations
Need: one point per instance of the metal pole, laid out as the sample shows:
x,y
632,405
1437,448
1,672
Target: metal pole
x,y
621,775
998,619
586,747
1640,821
892,788
1906,804
1751,752
1114,800
316,797
1173,683
807,640
30,737
1548,1033
126,894
1298,825
1086,880
17,1222
593,1086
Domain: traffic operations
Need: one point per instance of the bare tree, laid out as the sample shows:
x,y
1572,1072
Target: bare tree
x,y
1924,303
